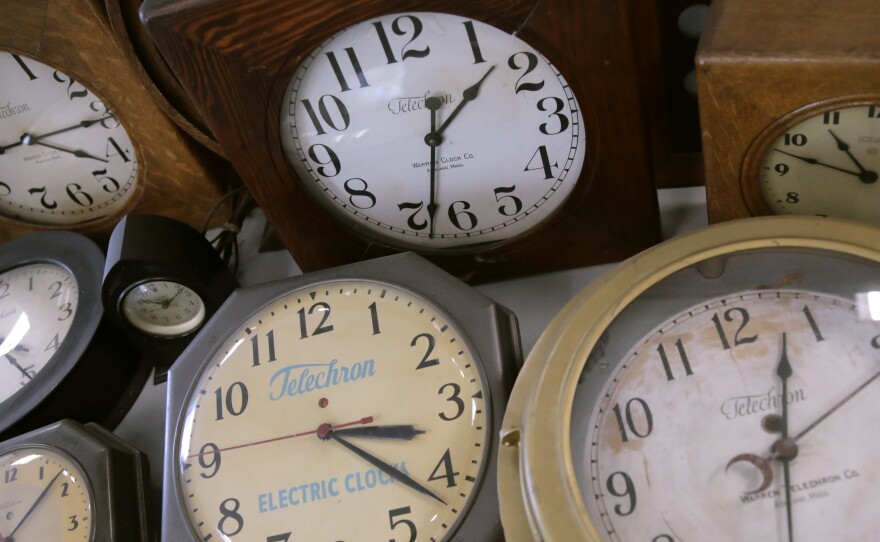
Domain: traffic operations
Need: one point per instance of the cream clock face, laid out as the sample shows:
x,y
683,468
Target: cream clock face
x,y
433,131
711,415
163,308
827,165
350,410
37,305
44,496
65,159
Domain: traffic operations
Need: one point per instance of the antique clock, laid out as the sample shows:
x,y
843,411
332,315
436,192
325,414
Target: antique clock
x,y
790,109
162,281
74,483
60,358
468,131
356,403
714,387
81,144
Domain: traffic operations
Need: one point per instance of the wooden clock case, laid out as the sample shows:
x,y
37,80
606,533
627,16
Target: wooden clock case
x,y
177,178
235,58
761,67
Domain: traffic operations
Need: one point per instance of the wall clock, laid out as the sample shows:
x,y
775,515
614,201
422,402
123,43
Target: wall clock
x,y
790,111
367,391
71,482
162,281
82,144
709,388
59,358
342,115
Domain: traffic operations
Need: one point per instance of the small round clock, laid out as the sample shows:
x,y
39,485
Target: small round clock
x,y
432,131
369,392
819,160
714,387
59,359
162,281
65,158
73,483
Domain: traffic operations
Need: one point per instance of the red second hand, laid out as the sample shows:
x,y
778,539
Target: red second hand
x,y
362,421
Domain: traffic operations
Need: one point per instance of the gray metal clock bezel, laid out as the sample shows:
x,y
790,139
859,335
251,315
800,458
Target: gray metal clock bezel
x,y
490,329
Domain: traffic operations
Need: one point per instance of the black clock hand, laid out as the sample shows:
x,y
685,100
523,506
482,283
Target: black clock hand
x,y
79,153
34,138
865,175
34,506
433,139
468,95
815,162
14,363
383,466
398,432
786,449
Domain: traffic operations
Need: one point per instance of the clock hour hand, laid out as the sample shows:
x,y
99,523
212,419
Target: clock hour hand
x,y
813,161
865,175
79,153
30,139
398,475
468,95
397,432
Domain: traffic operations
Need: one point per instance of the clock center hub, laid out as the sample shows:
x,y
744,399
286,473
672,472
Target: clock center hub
x,y
785,449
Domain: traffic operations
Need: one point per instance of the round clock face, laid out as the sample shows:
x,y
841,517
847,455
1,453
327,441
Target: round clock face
x,y
163,308
708,418
433,131
37,306
827,164
351,410
43,496
64,157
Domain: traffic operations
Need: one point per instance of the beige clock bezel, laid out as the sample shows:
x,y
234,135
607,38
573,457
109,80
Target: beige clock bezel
x,y
749,181
538,491
137,190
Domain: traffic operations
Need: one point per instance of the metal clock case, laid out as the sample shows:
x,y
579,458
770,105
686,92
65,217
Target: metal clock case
x,y
82,143
60,358
72,482
162,281
790,110
713,387
495,138
356,403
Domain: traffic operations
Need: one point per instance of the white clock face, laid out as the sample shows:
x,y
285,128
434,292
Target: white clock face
x,y
64,157
44,496
704,423
164,308
828,165
348,411
37,305
433,131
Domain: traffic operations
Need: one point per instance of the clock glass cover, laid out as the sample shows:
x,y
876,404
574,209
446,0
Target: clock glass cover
x,y
37,306
433,131
65,159
163,308
826,164
351,410
45,496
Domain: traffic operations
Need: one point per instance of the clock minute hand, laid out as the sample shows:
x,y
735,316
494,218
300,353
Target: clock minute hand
x,y
398,475
866,176
34,506
786,449
433,139
468,95
30,139
815,162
